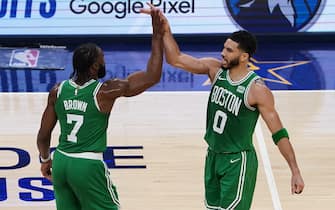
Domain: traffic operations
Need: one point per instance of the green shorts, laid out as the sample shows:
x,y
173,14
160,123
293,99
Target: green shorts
x,y
230,180
82,183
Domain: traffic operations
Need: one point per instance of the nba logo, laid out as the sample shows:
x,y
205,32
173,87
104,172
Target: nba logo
x,y
24,58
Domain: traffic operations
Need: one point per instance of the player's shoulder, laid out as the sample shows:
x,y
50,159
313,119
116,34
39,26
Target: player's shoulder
x,y
259,83
259,93
260,89
55,88
53,93
113,83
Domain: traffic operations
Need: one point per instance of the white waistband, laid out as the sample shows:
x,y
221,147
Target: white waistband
x,y
86,155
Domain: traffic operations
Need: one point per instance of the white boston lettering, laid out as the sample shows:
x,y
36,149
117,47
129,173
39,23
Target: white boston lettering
x,y
226,99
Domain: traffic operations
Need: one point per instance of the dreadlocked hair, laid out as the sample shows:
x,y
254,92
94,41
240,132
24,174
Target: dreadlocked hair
x,y
83,58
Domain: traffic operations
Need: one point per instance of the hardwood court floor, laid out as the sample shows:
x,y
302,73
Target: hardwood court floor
x,y
170,127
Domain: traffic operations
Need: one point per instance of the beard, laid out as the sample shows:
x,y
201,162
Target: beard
x,y
233,63
101,71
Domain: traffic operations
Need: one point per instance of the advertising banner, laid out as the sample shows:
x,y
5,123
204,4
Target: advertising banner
x,y
123,17
281,70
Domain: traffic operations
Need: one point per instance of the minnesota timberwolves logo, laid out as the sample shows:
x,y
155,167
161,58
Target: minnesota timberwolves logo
x,y
275,16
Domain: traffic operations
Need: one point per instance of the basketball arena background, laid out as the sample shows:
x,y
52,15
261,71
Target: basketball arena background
x,y
37,37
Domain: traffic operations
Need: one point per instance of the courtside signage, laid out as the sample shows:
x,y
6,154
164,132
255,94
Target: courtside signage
x,y
118,17
25,189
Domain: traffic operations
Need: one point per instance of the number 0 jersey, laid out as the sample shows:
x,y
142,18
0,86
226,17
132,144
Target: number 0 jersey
x,y
83,127
230,119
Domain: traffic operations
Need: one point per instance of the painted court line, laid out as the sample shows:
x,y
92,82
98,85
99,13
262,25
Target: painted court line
x,y
267,168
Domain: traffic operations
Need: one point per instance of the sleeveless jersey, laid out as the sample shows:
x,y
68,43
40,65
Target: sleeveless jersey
x,y
230,119
83,127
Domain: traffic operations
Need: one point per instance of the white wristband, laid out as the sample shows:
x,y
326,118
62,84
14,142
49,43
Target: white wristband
x,y
42,160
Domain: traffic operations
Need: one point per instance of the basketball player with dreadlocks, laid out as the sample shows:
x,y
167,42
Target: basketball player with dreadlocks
x,y
82,105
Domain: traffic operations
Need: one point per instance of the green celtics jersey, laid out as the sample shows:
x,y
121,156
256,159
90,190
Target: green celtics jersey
x,y
230,119
83,127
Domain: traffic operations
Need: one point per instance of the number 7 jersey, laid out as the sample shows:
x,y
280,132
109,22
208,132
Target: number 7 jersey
x,y
82,126
230,119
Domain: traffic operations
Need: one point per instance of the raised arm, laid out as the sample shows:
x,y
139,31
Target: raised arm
x,y
142,80
139,81
262,97
184,61
181,60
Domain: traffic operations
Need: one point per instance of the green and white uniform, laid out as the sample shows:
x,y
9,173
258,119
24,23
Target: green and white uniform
x,y
80,177
231,162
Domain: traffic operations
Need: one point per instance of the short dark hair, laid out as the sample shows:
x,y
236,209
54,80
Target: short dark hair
x,y
246,41
84,57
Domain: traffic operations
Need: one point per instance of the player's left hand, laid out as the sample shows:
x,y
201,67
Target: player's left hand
x,y
46,170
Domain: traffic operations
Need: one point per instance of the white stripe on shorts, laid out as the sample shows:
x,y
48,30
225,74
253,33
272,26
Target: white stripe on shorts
x,y
109,186
239,187
85,155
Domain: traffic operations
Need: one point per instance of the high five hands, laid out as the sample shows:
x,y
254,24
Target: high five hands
x,y
159,22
